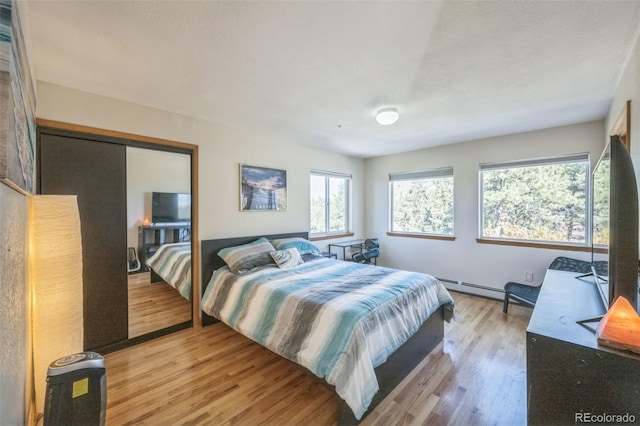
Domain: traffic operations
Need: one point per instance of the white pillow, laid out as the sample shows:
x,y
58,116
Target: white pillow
x,y
286,258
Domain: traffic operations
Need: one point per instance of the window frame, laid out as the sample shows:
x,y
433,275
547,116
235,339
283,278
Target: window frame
x,y
557,160
435,173
348,197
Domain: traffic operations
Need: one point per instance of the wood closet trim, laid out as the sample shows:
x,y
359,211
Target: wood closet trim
x,y
147,141
622,126
113,134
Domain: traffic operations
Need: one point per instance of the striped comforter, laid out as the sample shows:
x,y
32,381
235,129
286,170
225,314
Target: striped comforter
x,y
338,319
172,262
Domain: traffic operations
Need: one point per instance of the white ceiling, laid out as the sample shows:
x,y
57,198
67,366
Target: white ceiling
x,y
316,71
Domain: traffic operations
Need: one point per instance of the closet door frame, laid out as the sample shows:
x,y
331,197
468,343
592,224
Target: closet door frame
x,y
146,142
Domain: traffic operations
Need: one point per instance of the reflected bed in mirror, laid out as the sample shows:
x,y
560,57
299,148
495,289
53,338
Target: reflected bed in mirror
x,y
160,292
171,263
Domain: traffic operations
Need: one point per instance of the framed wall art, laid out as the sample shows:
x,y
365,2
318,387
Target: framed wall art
x,y
17,104
262,188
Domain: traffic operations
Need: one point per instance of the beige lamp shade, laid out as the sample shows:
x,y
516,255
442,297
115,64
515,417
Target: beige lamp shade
x,y
55,270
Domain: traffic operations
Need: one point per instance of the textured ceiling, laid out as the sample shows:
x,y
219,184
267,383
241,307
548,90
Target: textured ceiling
x,y
315,72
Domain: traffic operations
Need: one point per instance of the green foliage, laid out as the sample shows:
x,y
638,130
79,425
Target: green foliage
x,y
601,204
334,209
337,205
317,215
546,203
423,205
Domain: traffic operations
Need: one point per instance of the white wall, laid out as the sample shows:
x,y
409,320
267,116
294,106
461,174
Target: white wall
x,y
464,259
16,372
629,89
221,149
15,355
150,171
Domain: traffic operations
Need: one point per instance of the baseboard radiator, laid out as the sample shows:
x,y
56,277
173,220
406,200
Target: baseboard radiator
x,y
466,284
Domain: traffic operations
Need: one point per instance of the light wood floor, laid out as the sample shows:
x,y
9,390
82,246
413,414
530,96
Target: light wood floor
x,y
214,376
154,306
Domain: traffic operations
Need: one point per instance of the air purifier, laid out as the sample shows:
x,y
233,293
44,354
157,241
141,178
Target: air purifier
x,y
76,391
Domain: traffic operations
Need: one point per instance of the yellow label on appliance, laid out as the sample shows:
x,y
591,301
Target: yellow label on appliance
x,y
80,387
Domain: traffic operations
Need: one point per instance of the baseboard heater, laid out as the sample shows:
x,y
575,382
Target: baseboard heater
x,y
482,287
465,284
448,281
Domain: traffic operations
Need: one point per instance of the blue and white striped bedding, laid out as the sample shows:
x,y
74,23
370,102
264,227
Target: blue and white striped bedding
x,y
172,262
338,319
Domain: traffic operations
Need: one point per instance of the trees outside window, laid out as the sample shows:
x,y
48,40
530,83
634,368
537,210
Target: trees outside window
x,y
422,202
600,203
330,203
538,200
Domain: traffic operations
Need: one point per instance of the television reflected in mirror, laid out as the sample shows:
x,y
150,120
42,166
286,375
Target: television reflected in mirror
x,y
170,207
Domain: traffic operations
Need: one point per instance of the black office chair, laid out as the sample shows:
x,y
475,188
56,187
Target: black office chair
x,y
528,294
372,251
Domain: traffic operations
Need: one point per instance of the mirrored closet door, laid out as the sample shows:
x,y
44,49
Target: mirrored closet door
x,y
137,200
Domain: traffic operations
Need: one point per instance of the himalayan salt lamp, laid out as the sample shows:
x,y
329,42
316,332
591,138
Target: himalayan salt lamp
x,y
620,327
146,222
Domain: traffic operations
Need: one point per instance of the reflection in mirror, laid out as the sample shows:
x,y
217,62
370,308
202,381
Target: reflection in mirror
x,y
159,239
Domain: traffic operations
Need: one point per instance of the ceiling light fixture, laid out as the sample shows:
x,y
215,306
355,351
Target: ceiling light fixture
x,y
387,116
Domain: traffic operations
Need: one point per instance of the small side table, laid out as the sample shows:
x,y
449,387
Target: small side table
x,y
329,255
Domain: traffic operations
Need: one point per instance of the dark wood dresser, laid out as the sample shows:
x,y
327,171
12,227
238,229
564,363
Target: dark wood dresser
x,y
570,378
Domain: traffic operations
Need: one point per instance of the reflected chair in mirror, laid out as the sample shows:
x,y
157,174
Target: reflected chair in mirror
x,y
528,294
371,251
133,263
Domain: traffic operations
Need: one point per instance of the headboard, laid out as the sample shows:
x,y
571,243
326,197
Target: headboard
x,y
211,261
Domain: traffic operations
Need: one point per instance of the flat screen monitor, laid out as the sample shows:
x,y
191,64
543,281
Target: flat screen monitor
x,y
167,207
614,224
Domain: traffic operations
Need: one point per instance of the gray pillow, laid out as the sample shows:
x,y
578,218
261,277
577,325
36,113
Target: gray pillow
x,y
248,256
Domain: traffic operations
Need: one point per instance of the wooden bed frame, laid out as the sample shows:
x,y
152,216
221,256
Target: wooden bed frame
x,y
154,278
389,374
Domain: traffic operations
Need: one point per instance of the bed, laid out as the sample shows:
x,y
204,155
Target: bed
x,y
171,263
362,365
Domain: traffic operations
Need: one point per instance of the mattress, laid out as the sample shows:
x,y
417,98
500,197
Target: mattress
x,y
338,319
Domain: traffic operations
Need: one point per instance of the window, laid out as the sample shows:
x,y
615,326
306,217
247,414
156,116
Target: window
x,y
535,200
422,202
330,202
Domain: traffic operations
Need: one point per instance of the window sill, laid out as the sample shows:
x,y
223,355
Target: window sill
x,y
551,246
330,236
423,236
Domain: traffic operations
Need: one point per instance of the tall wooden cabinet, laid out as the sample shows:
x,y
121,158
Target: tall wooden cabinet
x,y
96,172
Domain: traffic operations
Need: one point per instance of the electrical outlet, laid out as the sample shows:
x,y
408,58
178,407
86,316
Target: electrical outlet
x,y
528,276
